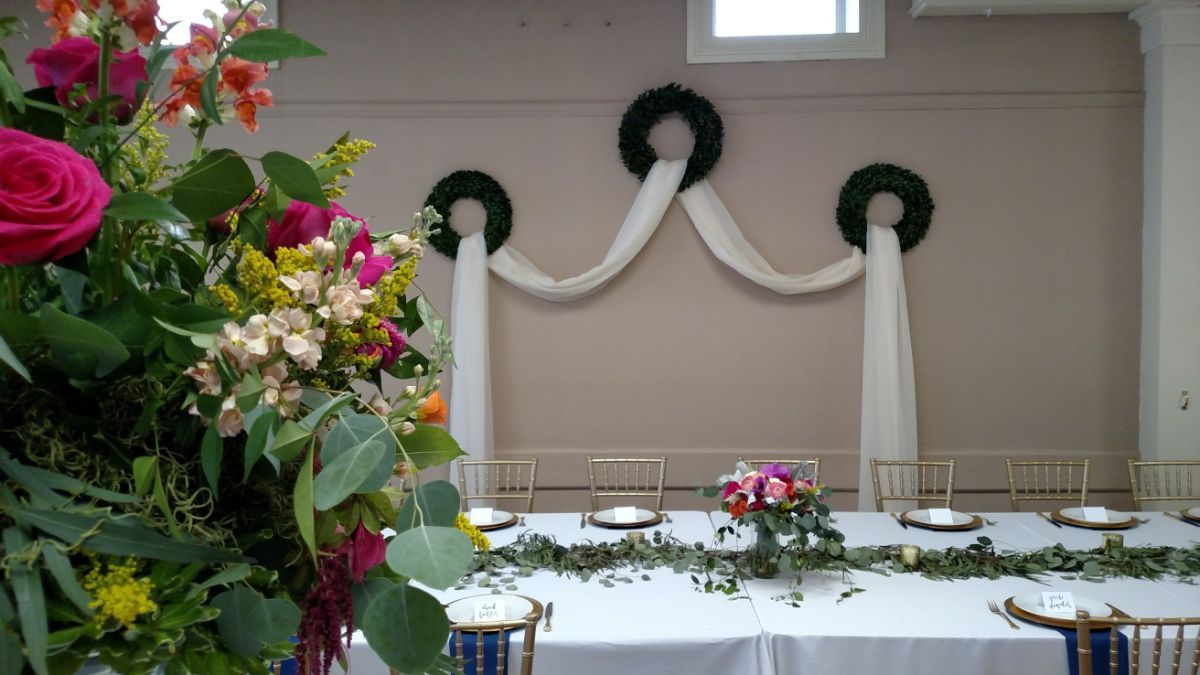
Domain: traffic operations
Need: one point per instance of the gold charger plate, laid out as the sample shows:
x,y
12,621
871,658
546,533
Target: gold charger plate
x,y
1192,514
1051,621
975,522
645,522
507,624
1093,525
499,526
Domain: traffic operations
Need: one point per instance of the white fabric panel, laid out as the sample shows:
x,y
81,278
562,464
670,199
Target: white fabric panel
x,y
641,222
889,394
470,417
725,239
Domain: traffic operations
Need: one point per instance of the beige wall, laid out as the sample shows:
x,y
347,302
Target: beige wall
x,y
1024,298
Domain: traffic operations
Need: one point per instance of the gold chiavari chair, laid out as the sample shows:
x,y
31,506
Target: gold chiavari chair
x,y
1164,481
512,479
1047,481
1085,623
479,629
913,480
627,478
811,467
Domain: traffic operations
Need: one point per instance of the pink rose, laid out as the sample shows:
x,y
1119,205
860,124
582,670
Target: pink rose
x,y
50,199
776,489
303,222
77,61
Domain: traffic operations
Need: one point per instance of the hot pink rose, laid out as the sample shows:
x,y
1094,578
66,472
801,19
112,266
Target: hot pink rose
x,y
77,61
50,199
303,222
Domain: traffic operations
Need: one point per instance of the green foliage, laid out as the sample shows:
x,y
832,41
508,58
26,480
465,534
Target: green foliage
x,y
434,555
871,180
294,177
81,348
648,109
430,446
482,188
272,44
406,627
248,621
143,206
350,435
433,503
217,183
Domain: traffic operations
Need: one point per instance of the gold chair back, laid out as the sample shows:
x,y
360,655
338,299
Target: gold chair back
x,y
511,479
1164,481
1047,481
811,467
912,480
625,477
479,629
1084,624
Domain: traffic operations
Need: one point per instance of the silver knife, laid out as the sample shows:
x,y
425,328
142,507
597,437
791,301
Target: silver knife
x,y
1181,519
901,521
1050,520
549,615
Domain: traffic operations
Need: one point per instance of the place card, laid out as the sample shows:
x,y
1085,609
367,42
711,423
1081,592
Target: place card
x,y
491,609
1058,602
481,516
625,514
1095,514
941,516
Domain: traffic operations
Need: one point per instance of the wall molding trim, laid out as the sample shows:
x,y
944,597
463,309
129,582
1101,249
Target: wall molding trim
x,y
403,109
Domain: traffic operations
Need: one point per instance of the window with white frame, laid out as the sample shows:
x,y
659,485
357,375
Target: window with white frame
x,y
784,30
184,13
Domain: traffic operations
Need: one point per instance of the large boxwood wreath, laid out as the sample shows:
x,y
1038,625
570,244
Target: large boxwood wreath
x,y
870,181
648,109
482,188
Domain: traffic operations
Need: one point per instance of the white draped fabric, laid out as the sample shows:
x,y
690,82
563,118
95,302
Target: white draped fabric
x,y
889,396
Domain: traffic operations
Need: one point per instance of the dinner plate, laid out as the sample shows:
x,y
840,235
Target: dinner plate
x,y
1074,516
962,521
1192,513
1028,606
516,607
644,518
500,520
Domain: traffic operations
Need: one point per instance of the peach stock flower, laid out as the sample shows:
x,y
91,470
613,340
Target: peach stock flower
x,y
433,410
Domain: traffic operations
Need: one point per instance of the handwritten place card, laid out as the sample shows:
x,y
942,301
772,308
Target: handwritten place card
x,y
941,516
1058,602
1095,514
491,609
481,516
625,514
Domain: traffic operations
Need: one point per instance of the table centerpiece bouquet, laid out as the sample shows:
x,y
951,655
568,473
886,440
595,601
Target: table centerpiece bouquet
x,y
776,501
196,440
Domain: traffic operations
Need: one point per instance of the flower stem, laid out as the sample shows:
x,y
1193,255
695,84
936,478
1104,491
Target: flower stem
x,y
198,149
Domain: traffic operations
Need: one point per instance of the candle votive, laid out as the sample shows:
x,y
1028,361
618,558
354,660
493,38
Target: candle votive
x,y
635,537
910,555
1113,540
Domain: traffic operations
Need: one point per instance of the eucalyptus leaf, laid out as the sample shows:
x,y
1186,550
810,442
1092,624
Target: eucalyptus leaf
x,y
406,627
342,477
433,503
430,446
248,621
435,556
352,431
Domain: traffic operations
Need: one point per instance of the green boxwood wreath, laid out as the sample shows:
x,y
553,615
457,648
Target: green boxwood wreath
x,y
482,188
870,181
650,107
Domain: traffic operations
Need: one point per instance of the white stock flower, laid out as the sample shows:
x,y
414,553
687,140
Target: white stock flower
x,y
401,243
280,393
255,336
344,303
205,374
229,421
379,404
407,428
305,286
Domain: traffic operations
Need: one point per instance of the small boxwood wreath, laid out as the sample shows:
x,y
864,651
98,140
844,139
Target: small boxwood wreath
x,y
870,181
482,188
650,107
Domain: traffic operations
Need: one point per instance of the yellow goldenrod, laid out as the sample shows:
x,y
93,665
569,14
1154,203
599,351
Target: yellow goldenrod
x,y
478,538
225,295
116,594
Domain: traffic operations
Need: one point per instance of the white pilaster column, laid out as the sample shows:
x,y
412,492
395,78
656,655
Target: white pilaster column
x,y
1170,348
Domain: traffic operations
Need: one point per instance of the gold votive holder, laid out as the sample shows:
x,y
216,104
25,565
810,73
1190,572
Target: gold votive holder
x,y
635,537
910,556
1113,541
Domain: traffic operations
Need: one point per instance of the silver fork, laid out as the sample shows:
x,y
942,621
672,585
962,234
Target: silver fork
x,y
521,521
667,517
996,610
989,522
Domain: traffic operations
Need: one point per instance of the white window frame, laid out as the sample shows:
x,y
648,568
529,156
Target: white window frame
x,y
272,15
705,47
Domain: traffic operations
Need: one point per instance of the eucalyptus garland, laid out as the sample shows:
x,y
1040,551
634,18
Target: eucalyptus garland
x,y
648,109
720,570
870,181
482,188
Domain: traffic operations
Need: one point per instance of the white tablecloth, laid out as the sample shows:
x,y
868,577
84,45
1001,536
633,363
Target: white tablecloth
x,y
900,625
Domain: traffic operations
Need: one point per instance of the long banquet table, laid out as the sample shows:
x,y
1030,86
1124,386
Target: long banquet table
x,y
901,624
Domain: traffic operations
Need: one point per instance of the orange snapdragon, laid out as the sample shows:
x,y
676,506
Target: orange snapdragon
x,y
433,410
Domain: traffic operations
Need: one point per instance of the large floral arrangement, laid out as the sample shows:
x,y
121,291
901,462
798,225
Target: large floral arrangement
x,y
208,382
776,501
